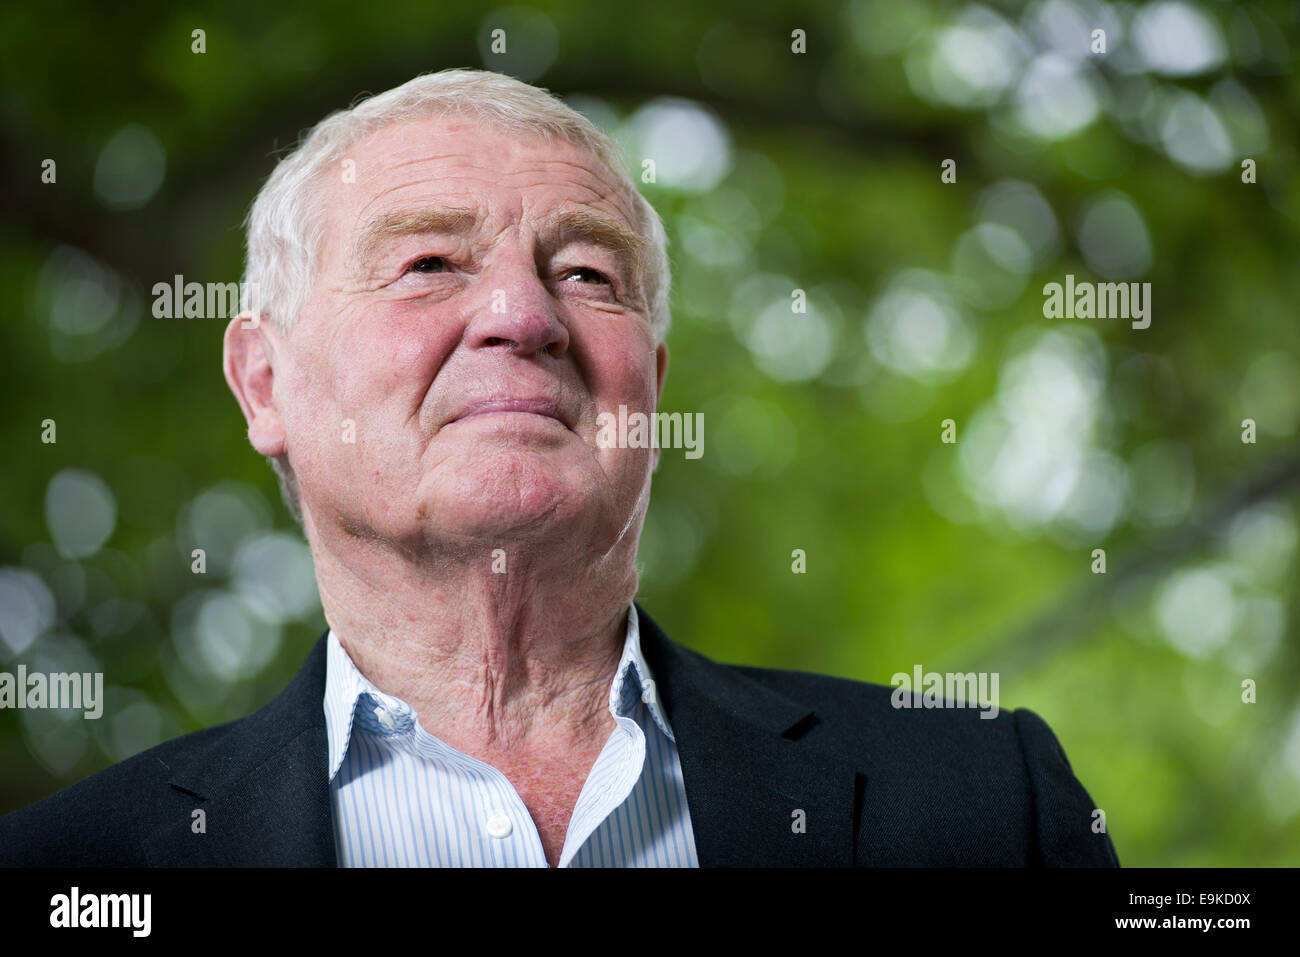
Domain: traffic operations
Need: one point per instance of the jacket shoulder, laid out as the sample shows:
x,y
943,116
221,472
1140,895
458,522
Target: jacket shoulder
x,y
994,777
137,812
99,821
862,718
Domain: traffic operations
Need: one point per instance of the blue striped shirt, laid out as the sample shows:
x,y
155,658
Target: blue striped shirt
x,y
403,798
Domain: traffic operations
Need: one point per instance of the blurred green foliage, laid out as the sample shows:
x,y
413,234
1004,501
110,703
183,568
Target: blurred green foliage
x,y
778,171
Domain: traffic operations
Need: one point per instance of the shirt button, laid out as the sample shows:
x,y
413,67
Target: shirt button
x,y
648,692
499,826
385,717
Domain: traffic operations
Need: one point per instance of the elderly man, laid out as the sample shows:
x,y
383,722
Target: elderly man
x,y
457,279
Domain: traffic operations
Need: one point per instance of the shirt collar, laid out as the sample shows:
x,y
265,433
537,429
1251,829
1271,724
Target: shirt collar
x,y
633,679
351,699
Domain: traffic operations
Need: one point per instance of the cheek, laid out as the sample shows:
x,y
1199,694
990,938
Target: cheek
x,y
413,339
407,359
304,396
624,375
624,372
393,359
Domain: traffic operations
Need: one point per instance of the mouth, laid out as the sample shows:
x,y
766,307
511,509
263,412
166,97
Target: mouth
x,y
516,407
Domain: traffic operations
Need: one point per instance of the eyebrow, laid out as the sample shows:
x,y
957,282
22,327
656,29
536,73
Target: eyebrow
x,y
555,231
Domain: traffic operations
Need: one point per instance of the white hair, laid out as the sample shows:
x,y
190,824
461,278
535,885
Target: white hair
x,y
287,220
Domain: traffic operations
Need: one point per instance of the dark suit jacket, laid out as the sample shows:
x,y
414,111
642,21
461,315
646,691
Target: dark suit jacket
x,y
878,786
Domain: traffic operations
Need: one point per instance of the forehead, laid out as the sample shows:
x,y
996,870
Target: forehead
x,y
510,177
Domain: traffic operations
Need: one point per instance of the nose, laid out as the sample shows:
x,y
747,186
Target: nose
x,y
518,314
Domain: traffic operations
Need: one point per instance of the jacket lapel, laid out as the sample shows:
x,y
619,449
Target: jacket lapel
x,y
747,772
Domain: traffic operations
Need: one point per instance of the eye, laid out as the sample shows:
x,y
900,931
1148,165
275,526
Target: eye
x,y
428,264
599,277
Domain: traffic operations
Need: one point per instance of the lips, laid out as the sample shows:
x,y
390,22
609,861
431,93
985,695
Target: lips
x,y
540,406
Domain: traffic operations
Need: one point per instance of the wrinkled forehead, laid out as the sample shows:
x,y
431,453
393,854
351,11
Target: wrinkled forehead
x,y
505,174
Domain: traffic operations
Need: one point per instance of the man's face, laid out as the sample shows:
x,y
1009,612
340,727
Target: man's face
x,y
472,315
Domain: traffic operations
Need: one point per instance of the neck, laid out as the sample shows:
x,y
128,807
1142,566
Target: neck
x,y
500,664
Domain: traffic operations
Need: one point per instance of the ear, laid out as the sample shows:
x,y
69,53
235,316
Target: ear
x,y
251,350
661,372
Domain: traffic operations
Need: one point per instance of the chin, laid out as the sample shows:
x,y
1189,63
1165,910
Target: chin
x,y
508,493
